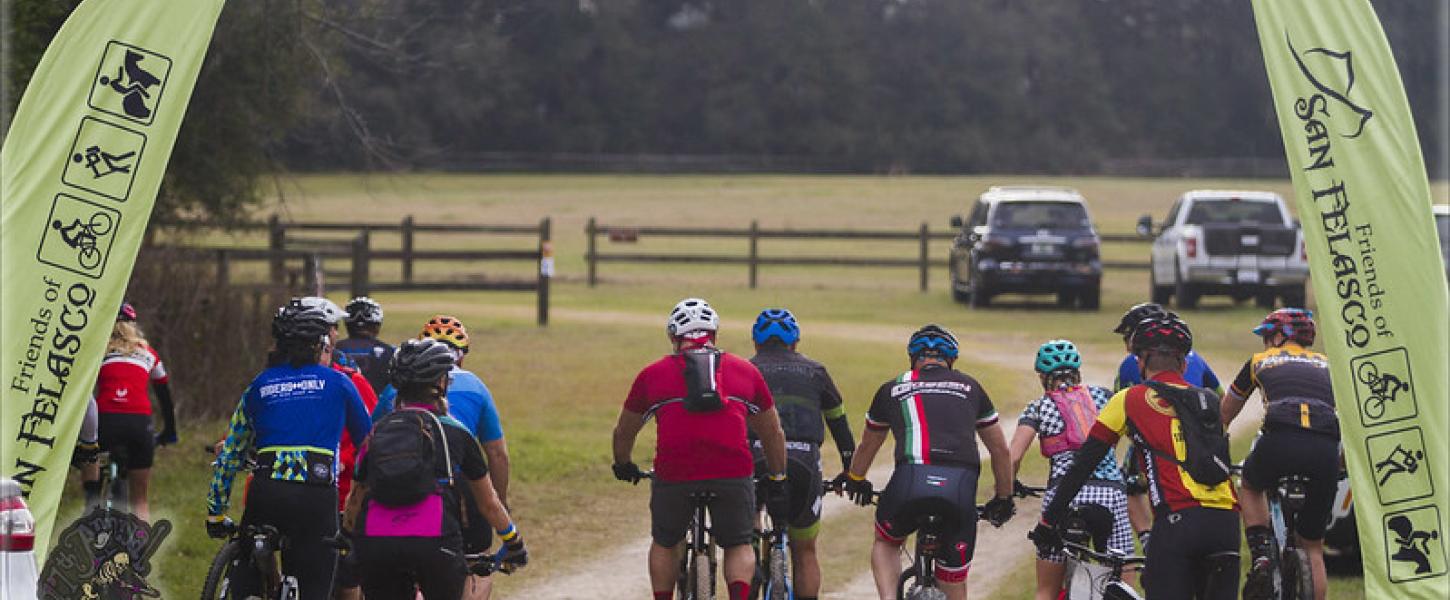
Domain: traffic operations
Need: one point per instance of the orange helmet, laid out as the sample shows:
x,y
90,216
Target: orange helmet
x,y
448,330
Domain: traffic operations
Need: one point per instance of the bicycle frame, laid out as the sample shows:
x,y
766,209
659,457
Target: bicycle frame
x,y
928,536
1110,588
776,543
697,545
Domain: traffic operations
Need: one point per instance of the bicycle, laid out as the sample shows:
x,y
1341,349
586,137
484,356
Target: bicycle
x,y
773,562
250,547
115,492
1383,389
1093,575
1292,578
696,579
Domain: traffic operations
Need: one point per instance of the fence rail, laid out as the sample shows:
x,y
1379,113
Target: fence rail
x,y
285,248
923,262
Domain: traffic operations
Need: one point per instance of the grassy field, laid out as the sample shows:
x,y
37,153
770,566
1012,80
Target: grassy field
x,y
559,388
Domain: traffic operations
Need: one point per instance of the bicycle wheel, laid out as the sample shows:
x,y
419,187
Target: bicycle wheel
x,y
912,586
219,575
778,588
100,223
704,577
1298,579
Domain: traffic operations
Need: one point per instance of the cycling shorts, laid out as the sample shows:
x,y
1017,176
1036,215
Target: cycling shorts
x,y
129,438
918,491
732,510
803,475
305,514
1179,563
398,568
1109,495
1315,456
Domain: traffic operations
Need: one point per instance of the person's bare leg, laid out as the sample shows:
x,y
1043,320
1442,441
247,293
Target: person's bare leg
x,y
664,566
1315,550
348,593
477,588
954,591
1253,506
805,567
1140,513
885,567
1049,579
138,481
739,565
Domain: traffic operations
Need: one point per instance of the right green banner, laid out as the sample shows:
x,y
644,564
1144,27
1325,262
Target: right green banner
x,y
1364,198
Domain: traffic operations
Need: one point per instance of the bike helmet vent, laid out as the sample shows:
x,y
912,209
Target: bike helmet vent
x,y
692,315
363,310
421,361
301,321
1296,324
1136,314
1057,354
776,323
335,315
1162,332
932,339
448,330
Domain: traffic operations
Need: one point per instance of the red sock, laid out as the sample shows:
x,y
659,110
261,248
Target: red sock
x,y
739,590
665,595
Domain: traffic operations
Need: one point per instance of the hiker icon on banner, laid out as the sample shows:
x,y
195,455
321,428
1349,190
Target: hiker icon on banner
x,y
1384,387
129,82
104,159
1401,468
1415,548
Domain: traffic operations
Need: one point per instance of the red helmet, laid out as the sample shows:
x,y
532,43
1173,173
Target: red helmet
x,y
127,312
1296,324
1165,331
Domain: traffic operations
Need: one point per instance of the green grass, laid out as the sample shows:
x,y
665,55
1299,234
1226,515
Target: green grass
x,y
559,388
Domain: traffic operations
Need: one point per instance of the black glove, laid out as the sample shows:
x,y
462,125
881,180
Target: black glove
x,y
166,437
777,498
219,527
999,510
838,485
514,554
859,490
1045,537
84,454
628,472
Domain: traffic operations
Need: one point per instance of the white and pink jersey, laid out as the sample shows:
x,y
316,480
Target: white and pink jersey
x,y
122,385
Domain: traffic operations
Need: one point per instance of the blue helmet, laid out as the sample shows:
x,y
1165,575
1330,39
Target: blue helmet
x,y
932,338
776,323
1057,354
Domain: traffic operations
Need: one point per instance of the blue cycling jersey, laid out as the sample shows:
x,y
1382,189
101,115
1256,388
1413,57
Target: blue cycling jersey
x,y
1198,373
469,401
289,411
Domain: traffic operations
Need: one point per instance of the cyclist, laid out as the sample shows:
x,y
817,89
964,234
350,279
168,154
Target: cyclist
x,y
1300,436
1063,416
1140,513
808,402
470,402
1195,526
125,413
421,545
293,414
703,400
364,320
935,413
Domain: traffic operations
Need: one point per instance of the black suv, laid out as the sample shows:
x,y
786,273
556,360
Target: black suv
x,y
1030,240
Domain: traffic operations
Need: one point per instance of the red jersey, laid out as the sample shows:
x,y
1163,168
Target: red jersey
x,y
347,451
122,384
691,446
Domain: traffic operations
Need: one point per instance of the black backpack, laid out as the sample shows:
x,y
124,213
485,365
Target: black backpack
x,y
1207,459
702,367
402,466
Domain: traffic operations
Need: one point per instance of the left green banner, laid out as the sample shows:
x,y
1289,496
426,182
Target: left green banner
x,y
79,172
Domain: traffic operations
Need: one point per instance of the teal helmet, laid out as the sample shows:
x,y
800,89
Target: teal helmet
x,y
1057,354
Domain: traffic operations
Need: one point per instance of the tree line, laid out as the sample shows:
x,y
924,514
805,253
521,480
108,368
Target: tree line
x,y
925,86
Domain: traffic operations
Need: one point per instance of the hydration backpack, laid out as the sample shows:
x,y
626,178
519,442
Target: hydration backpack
x,y
1206,444
402,467
1078,411
702,371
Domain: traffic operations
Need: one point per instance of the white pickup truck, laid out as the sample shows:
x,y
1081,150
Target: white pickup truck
x,y
1241,244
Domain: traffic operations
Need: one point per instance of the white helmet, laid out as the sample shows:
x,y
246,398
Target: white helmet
x,y
334,314
691,315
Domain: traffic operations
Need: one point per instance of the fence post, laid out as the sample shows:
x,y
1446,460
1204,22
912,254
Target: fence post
x,y
276,239
312,274
925,260
754,251
223,267
546,268
360,264
407,250
591,230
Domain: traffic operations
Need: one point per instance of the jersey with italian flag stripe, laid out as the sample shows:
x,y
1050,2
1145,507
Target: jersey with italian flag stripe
x,y
933,414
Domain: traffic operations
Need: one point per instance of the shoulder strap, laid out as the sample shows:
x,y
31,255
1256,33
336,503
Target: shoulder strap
x,y
442,435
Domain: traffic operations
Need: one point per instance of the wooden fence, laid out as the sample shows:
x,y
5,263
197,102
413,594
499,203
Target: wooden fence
x,y
301,260
922,261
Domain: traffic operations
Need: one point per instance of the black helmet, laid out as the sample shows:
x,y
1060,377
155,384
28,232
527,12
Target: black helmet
x,y
422,361
363,310
299,321
932,339
1136,314
1165,331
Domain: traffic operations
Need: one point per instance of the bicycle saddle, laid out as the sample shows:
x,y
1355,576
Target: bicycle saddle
x,y
1293,490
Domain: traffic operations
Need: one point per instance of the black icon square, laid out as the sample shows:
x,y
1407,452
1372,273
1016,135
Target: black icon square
x,y
1414,546
129,82
1384,388
104,159
78,236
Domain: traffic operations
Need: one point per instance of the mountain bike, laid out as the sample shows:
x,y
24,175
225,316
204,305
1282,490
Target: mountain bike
x,y
696,580
773,564
115,488
1292,578
1093,575
250,547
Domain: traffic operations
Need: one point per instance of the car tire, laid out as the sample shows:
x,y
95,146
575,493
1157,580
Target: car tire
x,y
981,294
1186,292
957,294
1264,300
1160,294
1065,297
1091,297
1293,296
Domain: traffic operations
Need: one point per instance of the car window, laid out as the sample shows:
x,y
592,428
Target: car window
x,y
1442,223
1040,215
1251,212
1173,212
979,215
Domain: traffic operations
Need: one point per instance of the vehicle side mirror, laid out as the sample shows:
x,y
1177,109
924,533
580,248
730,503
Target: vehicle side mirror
x,y
1145,226
1297,224
956,221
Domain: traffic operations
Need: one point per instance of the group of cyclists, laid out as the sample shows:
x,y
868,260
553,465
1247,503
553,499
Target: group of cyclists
x,y
385,467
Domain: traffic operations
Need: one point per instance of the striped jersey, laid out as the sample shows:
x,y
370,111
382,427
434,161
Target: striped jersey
x,y
121,386
933,414
1296,389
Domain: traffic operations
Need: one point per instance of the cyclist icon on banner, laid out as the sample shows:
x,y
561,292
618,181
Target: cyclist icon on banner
x,y
1384,386
83,236
78,235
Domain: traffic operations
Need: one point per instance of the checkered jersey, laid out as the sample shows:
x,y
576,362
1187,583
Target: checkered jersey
x,y
1043,416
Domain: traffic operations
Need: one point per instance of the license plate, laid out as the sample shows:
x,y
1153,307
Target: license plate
x,y
1248,276
1249,240
1044,249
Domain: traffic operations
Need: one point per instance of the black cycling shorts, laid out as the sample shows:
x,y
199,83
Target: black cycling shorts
x,y
391,567
129,438
803,476
1190,555
732,511
306,514
916,491
1281,452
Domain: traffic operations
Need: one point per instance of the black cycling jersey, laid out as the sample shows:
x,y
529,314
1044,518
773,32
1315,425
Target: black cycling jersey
x,y
1296,388
372,357
805,396
934,414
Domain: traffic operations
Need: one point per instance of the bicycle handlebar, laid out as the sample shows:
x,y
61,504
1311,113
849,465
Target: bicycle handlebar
x,y
1109,559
